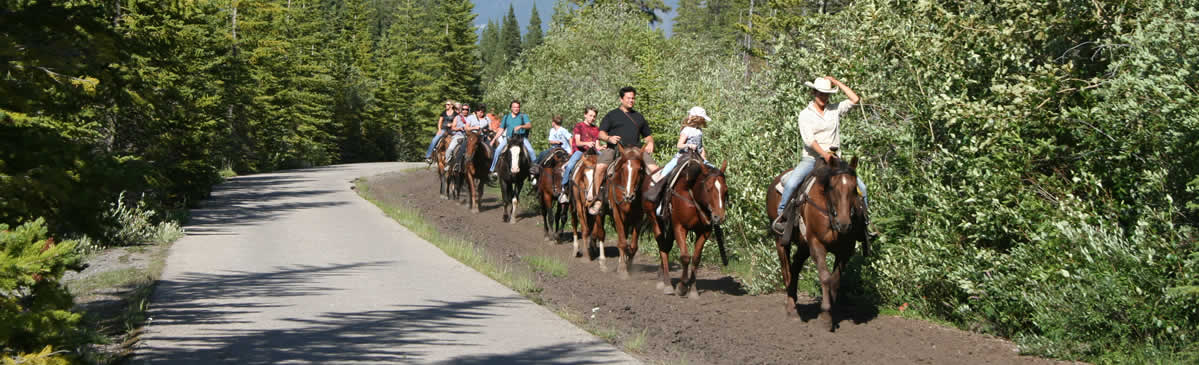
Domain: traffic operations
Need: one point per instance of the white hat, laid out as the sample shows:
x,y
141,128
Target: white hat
x,y
698,112
822,85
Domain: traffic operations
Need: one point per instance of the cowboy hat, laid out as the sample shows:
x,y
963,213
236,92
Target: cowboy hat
x,y
822,85
698,112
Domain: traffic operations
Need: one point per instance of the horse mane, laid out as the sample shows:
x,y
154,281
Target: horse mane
x,y
824,172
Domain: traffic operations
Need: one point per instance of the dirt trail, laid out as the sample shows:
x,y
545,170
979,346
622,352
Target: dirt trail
x,y
724,326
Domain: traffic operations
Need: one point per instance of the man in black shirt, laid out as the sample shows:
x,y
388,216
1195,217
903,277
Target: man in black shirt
x,y
627,127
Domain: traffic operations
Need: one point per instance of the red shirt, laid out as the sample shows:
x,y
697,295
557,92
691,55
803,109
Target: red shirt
x,y
585,133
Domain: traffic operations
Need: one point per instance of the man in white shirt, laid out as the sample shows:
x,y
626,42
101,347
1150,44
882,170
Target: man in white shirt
x,y
820,127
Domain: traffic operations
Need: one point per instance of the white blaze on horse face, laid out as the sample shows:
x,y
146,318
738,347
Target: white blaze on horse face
x,y
629,180
719,194
844,180
515,162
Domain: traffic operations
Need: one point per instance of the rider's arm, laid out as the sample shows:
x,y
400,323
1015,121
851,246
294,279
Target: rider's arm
x,y
823,154
603,136
682,141
649,144
852,96
441,122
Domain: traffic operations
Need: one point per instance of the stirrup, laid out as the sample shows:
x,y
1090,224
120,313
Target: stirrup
x,y
779,225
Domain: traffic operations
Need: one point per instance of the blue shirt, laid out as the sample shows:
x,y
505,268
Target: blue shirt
x,y
510,122
561,135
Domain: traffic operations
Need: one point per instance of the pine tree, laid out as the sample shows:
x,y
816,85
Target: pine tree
x,y
648,8
459,50
533,36
510,37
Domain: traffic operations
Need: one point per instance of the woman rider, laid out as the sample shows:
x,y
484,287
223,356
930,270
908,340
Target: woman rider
x,y
820,127
443,125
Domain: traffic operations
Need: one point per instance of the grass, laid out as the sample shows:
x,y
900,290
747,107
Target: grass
x,y
552,266
636,343
461,250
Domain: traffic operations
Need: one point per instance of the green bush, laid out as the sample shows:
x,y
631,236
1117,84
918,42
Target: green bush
x,y
134,224
35,309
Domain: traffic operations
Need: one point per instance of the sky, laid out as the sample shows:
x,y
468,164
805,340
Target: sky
x,y
496,9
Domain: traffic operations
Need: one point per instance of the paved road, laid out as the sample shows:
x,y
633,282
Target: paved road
x,y
294,267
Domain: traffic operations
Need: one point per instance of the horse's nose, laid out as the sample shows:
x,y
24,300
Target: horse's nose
x,y
717,219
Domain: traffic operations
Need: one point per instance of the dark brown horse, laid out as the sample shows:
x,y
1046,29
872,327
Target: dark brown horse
x,y
624,186
478,159
513,169
586,226
696,203
549,187
830,223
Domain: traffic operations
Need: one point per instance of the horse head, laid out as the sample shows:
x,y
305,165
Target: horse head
x,y
840,181
714,192
630,171
515,152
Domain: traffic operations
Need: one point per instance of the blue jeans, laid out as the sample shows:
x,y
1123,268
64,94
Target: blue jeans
x,y
503,145
436,138
570,166
801,171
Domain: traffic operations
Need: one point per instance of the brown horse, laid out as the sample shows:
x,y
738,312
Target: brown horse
x,y
625,197
549,187
697,203
439,152
831,222
586,226
478,160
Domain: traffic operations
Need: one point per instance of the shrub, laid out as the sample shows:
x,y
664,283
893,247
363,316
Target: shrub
x,y
35,309
128,224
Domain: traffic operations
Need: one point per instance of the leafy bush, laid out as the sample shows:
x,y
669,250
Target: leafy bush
x,y
35,310
134,224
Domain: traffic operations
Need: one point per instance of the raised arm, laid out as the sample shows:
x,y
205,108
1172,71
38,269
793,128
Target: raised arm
x,y
853,97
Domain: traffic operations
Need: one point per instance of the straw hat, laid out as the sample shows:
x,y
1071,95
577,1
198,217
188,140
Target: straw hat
x,y
822,85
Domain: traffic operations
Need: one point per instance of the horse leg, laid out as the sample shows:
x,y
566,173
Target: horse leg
x,y
598,236
680,237
700,238
819,256
634,242
784,249
842,257
545,214
622,245
665,244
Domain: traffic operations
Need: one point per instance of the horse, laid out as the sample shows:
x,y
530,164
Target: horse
x,y
549,187
586,226
439,156
455,174
697,203
478,159
624,190
827,219
513,169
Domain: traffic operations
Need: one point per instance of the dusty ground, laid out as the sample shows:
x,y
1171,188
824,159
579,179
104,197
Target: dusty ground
x,y
724,326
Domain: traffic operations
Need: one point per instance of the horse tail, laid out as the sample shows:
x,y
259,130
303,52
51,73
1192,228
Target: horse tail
x,y
719,232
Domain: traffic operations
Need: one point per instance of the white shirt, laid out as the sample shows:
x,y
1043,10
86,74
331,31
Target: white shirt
x,y
692,135
824,130
476,122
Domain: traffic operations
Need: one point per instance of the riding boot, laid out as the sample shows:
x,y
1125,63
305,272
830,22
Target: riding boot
x,y
654,192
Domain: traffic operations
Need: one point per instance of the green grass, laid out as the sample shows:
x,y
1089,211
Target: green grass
x,y
107,279
461,250
636,343
549,265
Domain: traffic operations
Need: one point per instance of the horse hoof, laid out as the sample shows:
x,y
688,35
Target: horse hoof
x,y
603,268
680,290
659,285
474,210
694,295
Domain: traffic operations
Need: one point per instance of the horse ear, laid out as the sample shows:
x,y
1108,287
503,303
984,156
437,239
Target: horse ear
x,y
723,166
853,164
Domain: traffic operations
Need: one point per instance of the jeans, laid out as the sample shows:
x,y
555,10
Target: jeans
x,y
436,138
801,171
503,145
454,141
570,165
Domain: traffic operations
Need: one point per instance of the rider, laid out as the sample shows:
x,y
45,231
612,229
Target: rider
x,y
514,123
691,138
558,137
478,121
820,127
627,127
443,126
585,134
458,131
